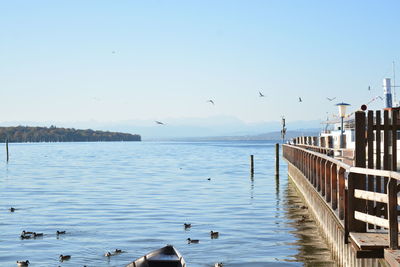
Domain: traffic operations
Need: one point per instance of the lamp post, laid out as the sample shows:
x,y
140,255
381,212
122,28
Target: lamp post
x,y
342,113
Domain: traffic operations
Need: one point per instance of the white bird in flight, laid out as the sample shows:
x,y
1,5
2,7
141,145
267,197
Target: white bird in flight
x,y
261,94
331,99
300,100
212,102
159,122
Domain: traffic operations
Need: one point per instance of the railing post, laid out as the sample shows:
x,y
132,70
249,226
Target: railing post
x,y
328,181
346,216
301,160
323,177
392,214
330,141
351,221
315,140
378,179
341,190
308,166
312,170
334,186
370,165
318,174
315,172
360,160
392,190
394,140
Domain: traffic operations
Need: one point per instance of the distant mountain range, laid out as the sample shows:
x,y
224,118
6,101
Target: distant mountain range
x,y
271,136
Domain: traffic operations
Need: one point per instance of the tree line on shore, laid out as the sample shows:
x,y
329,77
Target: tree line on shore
x,y
23,134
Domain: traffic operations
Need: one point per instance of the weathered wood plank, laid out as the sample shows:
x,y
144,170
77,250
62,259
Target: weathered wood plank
x,y
370,240
392,257
373,196
384,173
370,254
360,216
390,127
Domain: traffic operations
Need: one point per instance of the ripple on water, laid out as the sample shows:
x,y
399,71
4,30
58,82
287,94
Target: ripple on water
x,y
136,197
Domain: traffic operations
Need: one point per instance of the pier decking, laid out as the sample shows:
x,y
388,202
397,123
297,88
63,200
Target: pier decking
x,y
353,197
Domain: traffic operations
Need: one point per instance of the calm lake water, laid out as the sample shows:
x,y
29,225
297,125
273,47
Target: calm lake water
x,y
135,196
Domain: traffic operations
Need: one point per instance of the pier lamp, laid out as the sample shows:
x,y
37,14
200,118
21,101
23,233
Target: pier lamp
x,y
342,113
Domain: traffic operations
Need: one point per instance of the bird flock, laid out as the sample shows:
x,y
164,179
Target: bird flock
x,y
212,102
260,94
35,235
213,235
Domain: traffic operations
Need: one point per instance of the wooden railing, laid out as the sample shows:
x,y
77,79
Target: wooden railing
x,y
354,194
325,174
383,202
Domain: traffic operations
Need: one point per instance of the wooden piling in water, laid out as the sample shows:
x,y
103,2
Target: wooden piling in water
x,y
7,149
277,159
252,165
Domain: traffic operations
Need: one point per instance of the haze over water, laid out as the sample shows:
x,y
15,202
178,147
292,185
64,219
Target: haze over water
x,y
135,196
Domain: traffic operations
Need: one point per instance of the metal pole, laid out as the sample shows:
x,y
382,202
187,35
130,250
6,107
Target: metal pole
x,y
341,133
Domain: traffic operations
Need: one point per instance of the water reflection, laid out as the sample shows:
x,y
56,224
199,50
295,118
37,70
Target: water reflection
x,y
312,248
252,187
277,187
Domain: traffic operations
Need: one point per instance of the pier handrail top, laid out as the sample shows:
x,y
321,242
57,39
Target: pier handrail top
x,y
326,148
328,158
319,147
384,173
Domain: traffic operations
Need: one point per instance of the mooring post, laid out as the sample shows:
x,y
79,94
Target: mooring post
x,y
7,149
277,159
252,165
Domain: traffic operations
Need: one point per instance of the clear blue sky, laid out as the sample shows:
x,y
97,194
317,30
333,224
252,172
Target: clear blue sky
x,y
120,60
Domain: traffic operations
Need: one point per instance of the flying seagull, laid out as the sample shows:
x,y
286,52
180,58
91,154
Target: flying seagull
x,y
159,122
331,99
212,102
261,94
369,88
300,100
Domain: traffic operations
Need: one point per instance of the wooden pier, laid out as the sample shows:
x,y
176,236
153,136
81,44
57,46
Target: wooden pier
x,y
353,194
